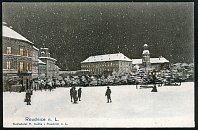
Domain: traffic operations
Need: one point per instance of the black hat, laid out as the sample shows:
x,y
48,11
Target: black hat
x,y
107,87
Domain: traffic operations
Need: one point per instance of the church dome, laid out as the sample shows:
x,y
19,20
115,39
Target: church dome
x,y
145,45
146,52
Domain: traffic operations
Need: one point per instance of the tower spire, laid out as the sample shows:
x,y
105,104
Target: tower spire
x,y
146,58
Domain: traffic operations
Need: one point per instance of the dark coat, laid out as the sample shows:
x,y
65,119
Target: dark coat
x,y
74,93
71,91
28,97
79,92
108,92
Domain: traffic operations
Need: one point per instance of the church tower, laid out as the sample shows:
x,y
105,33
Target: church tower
x,y
146,58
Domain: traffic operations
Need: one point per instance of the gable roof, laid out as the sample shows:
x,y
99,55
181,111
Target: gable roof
x,y
10,33
107,57
152,60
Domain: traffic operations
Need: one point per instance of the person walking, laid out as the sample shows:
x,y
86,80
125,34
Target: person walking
x,y
154,82
71,93
75,95
28,97
79,93
108,94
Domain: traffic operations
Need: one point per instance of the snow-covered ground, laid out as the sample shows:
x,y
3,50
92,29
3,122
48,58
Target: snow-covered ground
x,y
171,106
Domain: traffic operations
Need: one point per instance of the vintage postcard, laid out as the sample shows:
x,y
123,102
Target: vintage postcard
x,y
98,64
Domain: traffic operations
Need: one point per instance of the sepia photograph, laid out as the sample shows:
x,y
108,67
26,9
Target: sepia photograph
x,y
98,64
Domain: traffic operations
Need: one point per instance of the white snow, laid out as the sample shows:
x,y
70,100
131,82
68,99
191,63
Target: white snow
x,y
171,106
42,57
10,33
152,60
35,48
41,62
107,57
146,52
136,61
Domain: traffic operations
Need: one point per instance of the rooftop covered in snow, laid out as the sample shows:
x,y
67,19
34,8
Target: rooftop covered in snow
x,y
41,62
47,58
35,48
10,33
152,60
107,57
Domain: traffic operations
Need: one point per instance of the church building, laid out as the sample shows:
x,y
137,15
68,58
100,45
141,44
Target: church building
x,y
149,64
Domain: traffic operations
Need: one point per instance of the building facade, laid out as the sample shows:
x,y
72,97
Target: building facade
x,y
150,64
56,72
106,64
146,58
35,63
17,58
44,56
41,69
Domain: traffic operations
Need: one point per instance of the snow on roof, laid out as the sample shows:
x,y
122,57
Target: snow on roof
x,y
107,57
152,60
57,67
41,62
35,48
48,58
145,45
45,48
145,52
10,33
184,64
158,60
136,61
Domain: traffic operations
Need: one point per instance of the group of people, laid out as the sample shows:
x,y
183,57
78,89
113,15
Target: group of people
x,y
75,95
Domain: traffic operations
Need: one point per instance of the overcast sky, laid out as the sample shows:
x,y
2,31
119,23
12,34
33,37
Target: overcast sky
x,y
75,31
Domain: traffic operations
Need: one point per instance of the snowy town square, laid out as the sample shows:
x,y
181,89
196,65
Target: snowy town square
x,y
98,64
171,106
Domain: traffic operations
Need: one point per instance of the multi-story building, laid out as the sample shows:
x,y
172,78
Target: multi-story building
x,y
35,63
41,69
106,64
56,72
17,57
44,56
149,64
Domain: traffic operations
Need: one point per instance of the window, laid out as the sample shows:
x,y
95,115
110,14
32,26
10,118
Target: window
x,y
27,53
14,64
30,66
8,65
21,51
30,53
27,66
8,51
21,66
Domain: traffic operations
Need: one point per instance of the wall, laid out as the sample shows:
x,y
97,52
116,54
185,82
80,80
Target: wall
x,y
100,68
35,64
15,58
